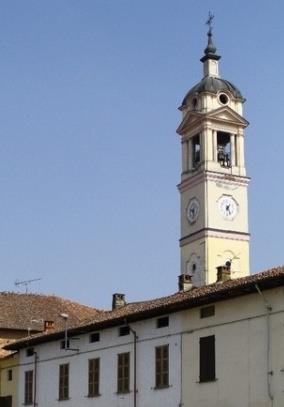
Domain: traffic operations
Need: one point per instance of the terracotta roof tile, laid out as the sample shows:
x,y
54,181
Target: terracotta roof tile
x,y
182,300
18,311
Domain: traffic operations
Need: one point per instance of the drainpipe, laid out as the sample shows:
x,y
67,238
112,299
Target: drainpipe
x,y
35,377
135,364
181,370
268,308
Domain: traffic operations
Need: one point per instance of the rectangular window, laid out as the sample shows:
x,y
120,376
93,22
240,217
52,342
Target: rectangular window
x,y
94,337
29,352
63,382
123,372
65,344
162,366
29,387
124,330
224,149
162,322
207,358
196,151
10,375
206,312
94,377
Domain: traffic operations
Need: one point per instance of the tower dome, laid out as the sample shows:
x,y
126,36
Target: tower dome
x,y
214,85
211,83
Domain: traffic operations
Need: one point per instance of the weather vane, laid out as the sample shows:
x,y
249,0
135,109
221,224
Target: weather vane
x,y
209,21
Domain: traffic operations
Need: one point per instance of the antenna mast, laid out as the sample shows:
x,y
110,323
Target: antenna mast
x,y
26,283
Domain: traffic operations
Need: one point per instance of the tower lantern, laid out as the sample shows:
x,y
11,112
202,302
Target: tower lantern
x,y
213,187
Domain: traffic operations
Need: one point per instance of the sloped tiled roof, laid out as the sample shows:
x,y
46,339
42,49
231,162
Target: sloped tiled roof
x,y
182,300
17,311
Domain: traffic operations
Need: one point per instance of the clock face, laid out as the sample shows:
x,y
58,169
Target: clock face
x,y
228,207
192,210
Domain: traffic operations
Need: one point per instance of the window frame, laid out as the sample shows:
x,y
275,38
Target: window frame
x,y
162,367
63,388
29,387
207,359
10,375
162,322
207,312
94,337
123,372
124,330
94,377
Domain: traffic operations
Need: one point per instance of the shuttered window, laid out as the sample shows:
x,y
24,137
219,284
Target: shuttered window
x,y
94,377
123,372
207,358
64,382
29,387
162,366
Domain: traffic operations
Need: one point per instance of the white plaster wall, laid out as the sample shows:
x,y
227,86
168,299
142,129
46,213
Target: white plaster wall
x,y
50,357
240,329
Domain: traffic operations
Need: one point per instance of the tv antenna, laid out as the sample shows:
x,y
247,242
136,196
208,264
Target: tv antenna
x,y
26,283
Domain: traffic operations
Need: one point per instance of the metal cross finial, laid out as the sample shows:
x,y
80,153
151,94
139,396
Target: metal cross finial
x,y
209,21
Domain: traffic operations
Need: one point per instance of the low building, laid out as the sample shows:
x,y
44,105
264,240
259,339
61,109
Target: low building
x,y
217,345
23,315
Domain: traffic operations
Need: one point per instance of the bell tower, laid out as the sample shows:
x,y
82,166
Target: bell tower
x,y
213,187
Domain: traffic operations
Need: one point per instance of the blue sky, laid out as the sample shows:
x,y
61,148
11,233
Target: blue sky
x,y
89,157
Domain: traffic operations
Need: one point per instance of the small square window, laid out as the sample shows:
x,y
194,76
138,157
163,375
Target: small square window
x,y
30,352
124,330
94,337
206,312
10,375
162,322
65,344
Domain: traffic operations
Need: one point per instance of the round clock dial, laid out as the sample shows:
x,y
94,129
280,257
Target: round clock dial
x,y
192,211
228,207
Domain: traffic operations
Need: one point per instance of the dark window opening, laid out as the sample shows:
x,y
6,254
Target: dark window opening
x,y
207,311
94,337
65,344
224,149
194,103
30,352
5,401
162,322
195,150
124,330
223,98
10,375
207,359
162,366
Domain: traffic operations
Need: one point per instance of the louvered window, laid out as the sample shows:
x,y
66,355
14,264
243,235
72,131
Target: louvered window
x,y
162,366
123,372
64,382
94,377
29,387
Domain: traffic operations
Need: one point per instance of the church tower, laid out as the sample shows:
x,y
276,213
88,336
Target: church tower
x,y
213,187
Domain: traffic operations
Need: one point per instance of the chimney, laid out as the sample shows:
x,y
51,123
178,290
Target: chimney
x,y
48,326
184,282
224,273
118,301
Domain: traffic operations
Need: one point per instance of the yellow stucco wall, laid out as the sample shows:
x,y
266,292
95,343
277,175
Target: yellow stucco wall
x,y
9,387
